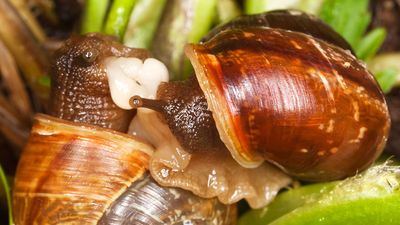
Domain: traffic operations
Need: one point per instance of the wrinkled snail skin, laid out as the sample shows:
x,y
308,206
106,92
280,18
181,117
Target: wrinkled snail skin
x,y
80,91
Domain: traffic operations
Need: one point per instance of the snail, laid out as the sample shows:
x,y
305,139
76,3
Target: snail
x,y
267,93
78,69
80,169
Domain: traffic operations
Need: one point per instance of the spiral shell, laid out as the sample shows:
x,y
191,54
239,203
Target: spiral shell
x,y
307,106
65,177
72,173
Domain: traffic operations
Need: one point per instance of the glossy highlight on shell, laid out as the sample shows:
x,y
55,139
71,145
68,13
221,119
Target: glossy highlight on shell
x,y
71,173
75,171
286,97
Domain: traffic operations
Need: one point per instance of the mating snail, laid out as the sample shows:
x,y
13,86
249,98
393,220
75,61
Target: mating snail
x,y
77,170
267,101
276,95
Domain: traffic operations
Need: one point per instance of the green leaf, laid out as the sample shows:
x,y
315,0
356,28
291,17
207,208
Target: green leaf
x,y
386,68
285,203
387,78
348,18
6,186
372,198
370,44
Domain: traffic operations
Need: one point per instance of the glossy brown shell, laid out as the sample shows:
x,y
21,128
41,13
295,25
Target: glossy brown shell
x,y
70,173
307,106
73,173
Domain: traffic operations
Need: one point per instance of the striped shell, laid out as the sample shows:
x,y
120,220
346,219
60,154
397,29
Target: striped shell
x,y
72,173
65,177
286,97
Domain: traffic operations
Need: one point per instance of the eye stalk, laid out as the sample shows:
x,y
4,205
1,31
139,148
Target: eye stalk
x,y
90,55
156,105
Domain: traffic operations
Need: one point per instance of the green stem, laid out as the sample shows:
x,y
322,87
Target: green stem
x,y
4,183
118,17
93,17
204,15
143,23
259,6
182,22
227,10
255,6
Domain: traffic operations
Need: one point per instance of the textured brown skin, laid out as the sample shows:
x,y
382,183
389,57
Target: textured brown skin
x,y
79,90
188,116
305,105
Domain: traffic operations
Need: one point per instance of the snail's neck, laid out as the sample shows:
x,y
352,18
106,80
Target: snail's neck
x,y
186,112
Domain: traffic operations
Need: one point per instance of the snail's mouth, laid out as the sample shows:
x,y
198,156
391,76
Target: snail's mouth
x,y
128,77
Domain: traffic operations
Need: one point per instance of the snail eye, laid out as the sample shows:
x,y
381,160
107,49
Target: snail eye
x,y
90,55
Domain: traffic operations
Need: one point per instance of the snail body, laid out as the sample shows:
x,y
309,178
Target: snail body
x,y
84,174
80,90
283,96
80,169
291,99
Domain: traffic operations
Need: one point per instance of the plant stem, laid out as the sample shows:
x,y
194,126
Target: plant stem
x,y
143,23
93,17
227,10
183,22
4,183
118,17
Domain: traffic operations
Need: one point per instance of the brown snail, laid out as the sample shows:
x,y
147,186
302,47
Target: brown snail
x,y
277,95
77,172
